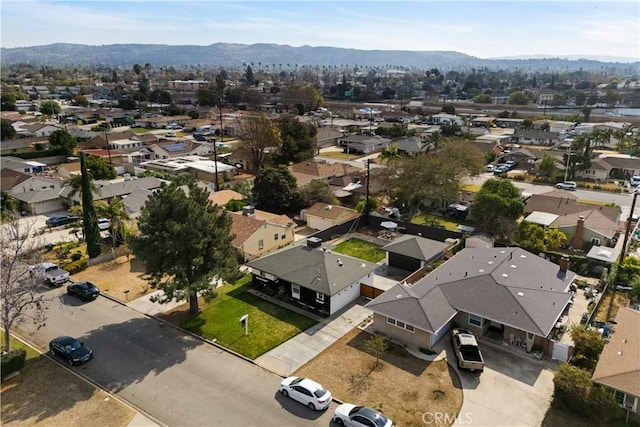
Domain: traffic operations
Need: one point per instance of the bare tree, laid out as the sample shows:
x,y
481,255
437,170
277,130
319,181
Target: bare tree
x,y
20,296
260,137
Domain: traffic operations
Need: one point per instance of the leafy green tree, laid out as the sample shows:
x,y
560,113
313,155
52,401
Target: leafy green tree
x,y
390,152
127,104
7,131
554,238
275,190
378,346
365,208
574,392
526,124
635,288
588,346
298,140
586,112
450,130
545,126
498,200
61,139
482,98
50,108
316,191
449,109
235,205
531,237
81,100
517,98
100,168
432,141
207,98
547,167
8,102
434,178
248,76
185,243
259,136
89,217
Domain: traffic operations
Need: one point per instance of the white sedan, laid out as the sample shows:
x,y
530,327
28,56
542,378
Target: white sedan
x,y
307,392
360,416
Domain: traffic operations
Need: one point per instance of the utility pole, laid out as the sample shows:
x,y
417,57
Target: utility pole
x,y
106,136
366,201
215,163
221,128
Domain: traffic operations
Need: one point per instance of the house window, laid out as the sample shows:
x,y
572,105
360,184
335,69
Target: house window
x,y
595,241
475,320
295,291
619,396
275,236
319,297
284,236
400,324
261,244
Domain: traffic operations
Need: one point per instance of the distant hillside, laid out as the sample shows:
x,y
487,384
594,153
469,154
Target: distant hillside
x,y
235,55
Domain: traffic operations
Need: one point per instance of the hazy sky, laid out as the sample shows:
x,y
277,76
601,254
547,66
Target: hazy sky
x,y
479,28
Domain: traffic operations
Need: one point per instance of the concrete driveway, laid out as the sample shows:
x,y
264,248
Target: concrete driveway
x,y
514,390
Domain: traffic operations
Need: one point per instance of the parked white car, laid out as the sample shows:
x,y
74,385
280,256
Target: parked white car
x,y
307,392
104,224
567,185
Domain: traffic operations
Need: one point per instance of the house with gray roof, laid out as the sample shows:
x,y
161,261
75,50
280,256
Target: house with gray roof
x,y
508,290
410,253
106,190
312,277
604,168
363,143
410,145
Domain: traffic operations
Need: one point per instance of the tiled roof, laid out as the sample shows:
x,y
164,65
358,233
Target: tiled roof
x,y
223,197
10,178
619,363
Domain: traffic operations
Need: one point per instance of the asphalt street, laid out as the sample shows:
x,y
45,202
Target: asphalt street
x,y
174,378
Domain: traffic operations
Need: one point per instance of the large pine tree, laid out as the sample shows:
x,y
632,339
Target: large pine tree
x,y
185,242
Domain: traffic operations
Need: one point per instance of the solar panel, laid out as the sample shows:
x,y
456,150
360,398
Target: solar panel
x,y
172,148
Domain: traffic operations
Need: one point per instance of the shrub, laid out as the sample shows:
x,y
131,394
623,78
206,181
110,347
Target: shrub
x,y
13,361
76,256
76,266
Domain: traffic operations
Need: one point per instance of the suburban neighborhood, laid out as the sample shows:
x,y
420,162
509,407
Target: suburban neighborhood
x,y
260,245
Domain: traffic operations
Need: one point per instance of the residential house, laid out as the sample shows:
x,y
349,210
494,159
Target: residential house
x,y
534,137
316,279
562,202
328,136
40,129
364,144
159,122
38,195
619,365
321,216
410,146
170,149
446,119
11,178
586,228
611,167
108,190
510,291
201,168
18,164
411,253
349,189
68,170
506,122
258,233
22,145
307,171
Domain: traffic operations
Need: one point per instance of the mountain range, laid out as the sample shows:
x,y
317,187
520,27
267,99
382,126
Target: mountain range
x,y
284,57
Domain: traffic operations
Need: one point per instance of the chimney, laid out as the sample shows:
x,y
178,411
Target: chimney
x,y
248,210
314,242
578,237
564,264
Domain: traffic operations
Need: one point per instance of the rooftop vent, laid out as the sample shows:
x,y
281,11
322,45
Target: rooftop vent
x,y
505,275
314,242
248,210
523,256
513,266
340,263
520,294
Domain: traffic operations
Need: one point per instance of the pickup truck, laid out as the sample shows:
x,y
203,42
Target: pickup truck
x,y
50,273
467,350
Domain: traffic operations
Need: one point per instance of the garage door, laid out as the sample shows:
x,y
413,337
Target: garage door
x,y
369,291
404,262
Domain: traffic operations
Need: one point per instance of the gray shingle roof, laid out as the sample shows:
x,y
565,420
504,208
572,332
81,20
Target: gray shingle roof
x,y
313,268
416,247
506,285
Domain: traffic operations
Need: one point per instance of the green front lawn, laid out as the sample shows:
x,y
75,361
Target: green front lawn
x,y
360,249
269,324
32,354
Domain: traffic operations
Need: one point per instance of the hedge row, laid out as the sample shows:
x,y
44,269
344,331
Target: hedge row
x,y
13,361
75,266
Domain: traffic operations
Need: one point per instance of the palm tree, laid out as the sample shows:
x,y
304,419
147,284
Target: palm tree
x,y
433,141
76,186
116,213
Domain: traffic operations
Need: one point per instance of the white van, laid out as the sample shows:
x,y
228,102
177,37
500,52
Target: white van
x,y
635,180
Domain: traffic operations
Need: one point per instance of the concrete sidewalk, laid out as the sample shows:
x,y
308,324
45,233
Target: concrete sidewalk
x,y
146,305
291,355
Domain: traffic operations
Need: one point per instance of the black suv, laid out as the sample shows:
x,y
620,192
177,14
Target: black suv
x,y
58,220
86,291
